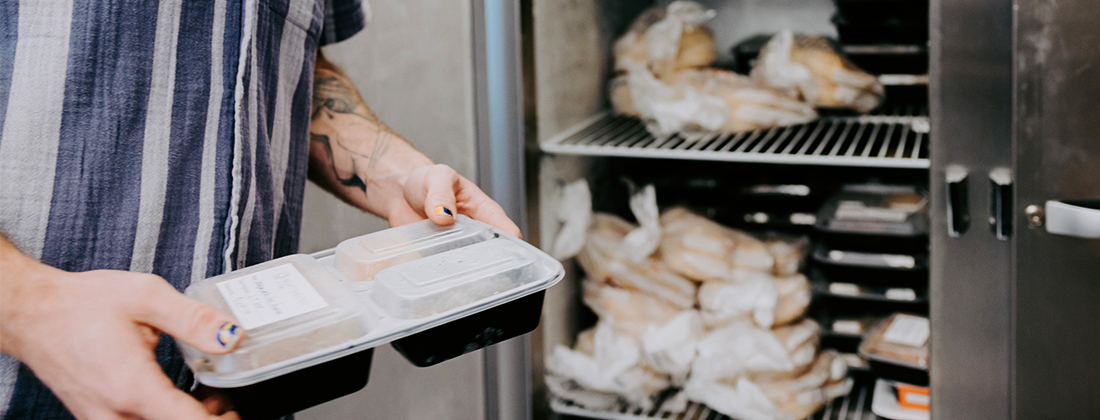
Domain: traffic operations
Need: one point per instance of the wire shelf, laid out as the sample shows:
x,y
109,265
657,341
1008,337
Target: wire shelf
x,y
897,138
855,406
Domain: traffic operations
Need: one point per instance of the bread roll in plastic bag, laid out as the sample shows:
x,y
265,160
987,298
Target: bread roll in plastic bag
x,y
630,311
801,341
599,261
705,101
752,298
671,348
800,397
614,366
788,251
794,298
705,251
738,349
666,38
807,66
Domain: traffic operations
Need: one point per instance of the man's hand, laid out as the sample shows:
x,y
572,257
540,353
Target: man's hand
x,y
360,160
89,337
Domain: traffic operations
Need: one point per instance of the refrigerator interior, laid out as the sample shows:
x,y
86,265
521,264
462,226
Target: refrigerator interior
x,y
574,136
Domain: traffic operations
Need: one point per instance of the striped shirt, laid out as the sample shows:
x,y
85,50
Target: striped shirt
x,y
164,137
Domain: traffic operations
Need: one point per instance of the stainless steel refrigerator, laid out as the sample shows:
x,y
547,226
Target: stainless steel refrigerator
x,y
1011,156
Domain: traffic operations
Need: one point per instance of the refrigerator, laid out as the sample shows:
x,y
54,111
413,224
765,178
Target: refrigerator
x,y
1008,148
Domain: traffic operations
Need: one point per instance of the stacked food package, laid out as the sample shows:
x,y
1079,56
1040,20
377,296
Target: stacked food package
x,y
664,77
701,313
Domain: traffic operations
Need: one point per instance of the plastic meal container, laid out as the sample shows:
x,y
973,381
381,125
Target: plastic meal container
x,y
897,348
872,268
434,292
875,218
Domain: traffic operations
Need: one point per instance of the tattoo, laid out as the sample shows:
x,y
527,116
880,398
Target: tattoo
x,y
332,95
354,180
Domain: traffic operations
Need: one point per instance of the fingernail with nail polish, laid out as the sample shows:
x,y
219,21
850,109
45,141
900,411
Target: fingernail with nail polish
x,y
443,210
228,334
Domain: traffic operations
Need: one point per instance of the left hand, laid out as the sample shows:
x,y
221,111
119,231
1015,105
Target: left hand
x,y
431,189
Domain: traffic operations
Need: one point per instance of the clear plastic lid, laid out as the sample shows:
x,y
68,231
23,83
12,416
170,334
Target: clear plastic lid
x,y
455,278
361,259
876,209
900,339
288,307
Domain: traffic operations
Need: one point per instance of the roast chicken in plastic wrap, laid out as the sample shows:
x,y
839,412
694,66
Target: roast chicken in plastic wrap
x,y
808,67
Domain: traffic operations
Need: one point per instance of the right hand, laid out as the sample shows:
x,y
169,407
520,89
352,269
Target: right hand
x,y
89,337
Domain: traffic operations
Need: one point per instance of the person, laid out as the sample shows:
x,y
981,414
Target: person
x,y
148,145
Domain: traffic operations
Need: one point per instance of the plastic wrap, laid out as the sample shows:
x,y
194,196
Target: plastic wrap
x,y
764,299
614,366
632,312
651,276
807,66
703,250
666,38
575,214
671,348
641,242
701,101
900,339
788,253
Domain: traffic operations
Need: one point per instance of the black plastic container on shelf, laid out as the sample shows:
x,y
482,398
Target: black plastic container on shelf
x,y
875,269
910,11
889,59
297,391
875,218
897,348
472,333
880,32
857,298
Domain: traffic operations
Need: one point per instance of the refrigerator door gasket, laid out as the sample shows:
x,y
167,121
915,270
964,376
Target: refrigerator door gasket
x,y
897,138
854,406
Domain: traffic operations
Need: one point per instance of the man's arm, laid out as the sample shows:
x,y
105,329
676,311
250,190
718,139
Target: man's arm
x,y
355,156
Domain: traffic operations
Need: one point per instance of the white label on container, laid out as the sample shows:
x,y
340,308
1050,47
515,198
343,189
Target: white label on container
x,y
901,293
844,289
270,295
907,330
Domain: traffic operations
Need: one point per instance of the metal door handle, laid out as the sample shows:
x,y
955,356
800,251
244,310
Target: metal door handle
x,y
1078,218
958,211
1000,202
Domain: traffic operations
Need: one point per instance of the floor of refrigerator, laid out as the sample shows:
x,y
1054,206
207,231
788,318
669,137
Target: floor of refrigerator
x,y
855,406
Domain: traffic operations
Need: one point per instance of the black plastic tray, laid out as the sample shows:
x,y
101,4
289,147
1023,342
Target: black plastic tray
x,y
880,32
909,11
898,373
870,272
472,333
870,299
299,390
889,59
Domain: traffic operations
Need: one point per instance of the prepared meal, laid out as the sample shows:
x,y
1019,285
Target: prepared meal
x,y
666,38
900,339
877,210
288,307
448,280
360,259
810,68
703,250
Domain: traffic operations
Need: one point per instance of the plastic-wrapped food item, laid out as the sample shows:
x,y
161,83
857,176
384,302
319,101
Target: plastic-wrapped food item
x,y
807,66
614,366
452,279
667,38
703,250
802,396
632,311
670,348
900,401
877,218
754,298
737,349
598,258
794,297
704,101
360,259
574,212
788,253
900,339
306,310
619,92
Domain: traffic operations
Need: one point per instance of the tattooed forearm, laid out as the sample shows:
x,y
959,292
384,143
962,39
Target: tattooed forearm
x,y
353,140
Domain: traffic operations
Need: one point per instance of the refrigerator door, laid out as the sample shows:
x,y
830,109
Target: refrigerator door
x,y
1057,252
970,273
